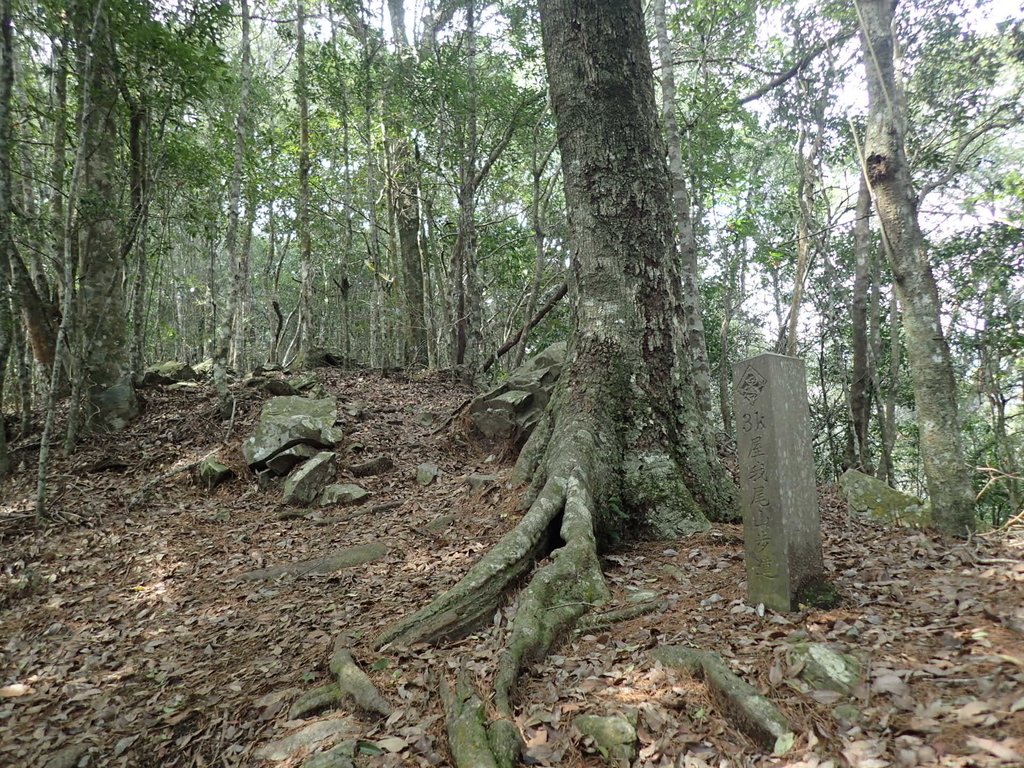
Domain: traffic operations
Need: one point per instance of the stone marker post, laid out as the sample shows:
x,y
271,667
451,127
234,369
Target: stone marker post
x,y
781,521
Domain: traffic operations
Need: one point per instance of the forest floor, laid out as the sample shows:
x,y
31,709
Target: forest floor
x,y
127,638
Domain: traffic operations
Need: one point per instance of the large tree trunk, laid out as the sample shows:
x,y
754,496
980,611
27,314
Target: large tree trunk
x,y
404,181
621,448
946,472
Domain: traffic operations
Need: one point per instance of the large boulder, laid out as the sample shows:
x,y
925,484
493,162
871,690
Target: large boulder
x,y
118,405
869,496
169,372
511,410
290,429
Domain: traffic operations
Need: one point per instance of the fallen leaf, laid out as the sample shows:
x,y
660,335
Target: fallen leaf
x,y
392,744
999,749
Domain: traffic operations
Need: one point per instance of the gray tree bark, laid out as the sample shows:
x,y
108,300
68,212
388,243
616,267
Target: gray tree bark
x,y
306,330
860,376
621,448
405,193
6,209
105,376
693,328
237,261
946,472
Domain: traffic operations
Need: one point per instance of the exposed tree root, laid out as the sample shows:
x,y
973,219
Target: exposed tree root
x,y
467,726
474,599
558,594
351,684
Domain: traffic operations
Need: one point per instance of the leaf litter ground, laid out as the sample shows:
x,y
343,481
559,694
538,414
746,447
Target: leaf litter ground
x,y
127,638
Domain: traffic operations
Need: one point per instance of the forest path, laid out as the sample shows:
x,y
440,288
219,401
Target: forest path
x,y
127,638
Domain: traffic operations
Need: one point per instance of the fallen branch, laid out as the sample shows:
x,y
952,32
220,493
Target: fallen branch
x,y
349,557
528,326
595,622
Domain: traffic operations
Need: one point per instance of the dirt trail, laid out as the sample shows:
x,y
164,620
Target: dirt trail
x,y
125,634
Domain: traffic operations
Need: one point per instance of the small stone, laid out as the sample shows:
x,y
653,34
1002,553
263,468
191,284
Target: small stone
x,y
285,461
305,484
614,736
279,387
427,473
846,714
479,482
306,738
642,596
438,524
212,473
824,668
66,757
343,494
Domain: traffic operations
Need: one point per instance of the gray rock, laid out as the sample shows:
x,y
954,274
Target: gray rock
x,y
306,483
511,410
169,372
439,524
66,757
870,497
204,368
307,738
118,405
479,482
279,387
212,473
846,714
287,422
427,473
284,462
614,736
343,494
824,668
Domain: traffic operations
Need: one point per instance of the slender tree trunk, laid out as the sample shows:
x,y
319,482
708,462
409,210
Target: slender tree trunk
x,y
237,265
138,148
860,390
538,204
107,384
465,298
6,210
306,330
947,474
696,342
348,234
